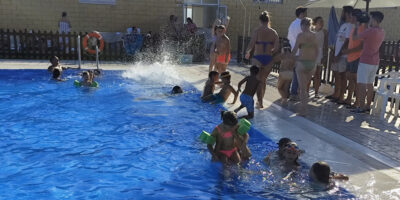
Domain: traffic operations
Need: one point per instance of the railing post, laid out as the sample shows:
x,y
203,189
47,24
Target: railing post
x,y
79,51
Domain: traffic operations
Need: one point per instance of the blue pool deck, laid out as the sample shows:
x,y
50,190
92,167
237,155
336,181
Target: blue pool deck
x,y
361,146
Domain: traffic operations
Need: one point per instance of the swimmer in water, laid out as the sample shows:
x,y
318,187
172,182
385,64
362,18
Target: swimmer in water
x,y
176,90
55,62
225,135
56,74
320,172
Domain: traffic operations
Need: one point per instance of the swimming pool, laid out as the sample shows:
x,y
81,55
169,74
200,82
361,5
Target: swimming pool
x,y
127,139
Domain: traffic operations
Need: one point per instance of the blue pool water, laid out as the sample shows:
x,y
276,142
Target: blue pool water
x,y
123,140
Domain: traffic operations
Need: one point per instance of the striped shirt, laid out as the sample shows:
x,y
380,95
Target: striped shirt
x,y
63,27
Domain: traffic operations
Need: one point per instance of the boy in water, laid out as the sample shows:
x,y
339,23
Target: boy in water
x,y
57,74
176,90
224,93
247,96
87,79
225,149
321,173
55,62
222,49
210,84
285,74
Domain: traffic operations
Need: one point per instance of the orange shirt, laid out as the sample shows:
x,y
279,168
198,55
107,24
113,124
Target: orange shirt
x,y
354,43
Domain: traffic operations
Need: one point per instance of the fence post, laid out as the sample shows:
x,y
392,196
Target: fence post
x,y
79,51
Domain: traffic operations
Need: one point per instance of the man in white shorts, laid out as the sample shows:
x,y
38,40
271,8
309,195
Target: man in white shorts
x,y
339,61
369,60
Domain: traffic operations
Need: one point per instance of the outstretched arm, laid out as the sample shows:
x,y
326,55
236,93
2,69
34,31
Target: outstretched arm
x,y
241,83
234,93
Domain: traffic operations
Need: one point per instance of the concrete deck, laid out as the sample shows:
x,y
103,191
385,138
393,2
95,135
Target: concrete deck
x,y
359,145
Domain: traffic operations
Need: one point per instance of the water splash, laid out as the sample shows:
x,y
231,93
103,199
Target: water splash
x,y
158,73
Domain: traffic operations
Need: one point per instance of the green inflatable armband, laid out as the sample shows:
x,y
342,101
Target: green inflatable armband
x,y
244,126
77,84
207,138
94,84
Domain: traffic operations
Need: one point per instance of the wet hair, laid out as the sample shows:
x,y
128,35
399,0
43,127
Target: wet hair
x,y
300,10
348,9
264,17
378,16
177,90
254,70
356,12
283,142
315,20
52,58
212,74
56,73
306,21
229,118
322,171
63,14
189,20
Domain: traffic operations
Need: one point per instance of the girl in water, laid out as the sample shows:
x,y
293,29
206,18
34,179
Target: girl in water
x,y
307,45
321,35
265,42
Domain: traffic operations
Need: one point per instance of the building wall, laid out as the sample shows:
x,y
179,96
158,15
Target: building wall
x,y
150,15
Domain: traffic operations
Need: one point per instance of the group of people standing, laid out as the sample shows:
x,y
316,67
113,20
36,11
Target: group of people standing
x,y
354,63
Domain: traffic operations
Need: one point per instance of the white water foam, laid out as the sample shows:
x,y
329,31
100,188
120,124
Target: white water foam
x,y
153,74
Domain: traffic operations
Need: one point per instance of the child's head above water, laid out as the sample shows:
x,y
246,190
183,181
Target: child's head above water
x,y
54,60
254,70
320,171
177,90
283,142
56,73
213,76
85,75
291,152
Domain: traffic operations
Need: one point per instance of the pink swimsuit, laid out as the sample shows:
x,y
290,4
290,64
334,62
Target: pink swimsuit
x,y
228,134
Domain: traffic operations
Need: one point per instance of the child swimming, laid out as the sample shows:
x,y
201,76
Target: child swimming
x,y
244,150
285,74
55,62
176,90
225,135
56,74
249,91
321,173
87,80
209,87
281,146
224,93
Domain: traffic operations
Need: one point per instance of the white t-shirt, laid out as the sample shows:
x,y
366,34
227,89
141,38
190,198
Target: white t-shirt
x,y
294,31
341,36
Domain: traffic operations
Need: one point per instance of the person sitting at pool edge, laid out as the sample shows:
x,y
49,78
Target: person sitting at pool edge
x,y
225,135
177,90
224,93
209,87
321,173
55,62
249,91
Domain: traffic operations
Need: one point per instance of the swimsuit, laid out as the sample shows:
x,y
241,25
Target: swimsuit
x,y
221,58
228,134
263,59
308,65
248,102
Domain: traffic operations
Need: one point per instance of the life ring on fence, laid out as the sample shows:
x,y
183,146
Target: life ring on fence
x,y
99,39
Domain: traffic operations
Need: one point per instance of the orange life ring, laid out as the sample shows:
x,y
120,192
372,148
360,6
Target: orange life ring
x,y
98,37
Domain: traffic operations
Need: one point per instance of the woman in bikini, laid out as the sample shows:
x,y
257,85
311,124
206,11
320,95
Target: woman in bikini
x,y
265,42
225,149
307,45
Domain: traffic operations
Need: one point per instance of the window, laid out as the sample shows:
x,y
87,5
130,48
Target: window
x,y
268,1
109,2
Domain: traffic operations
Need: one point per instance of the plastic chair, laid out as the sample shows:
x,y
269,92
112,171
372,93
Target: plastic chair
x,y
385,90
